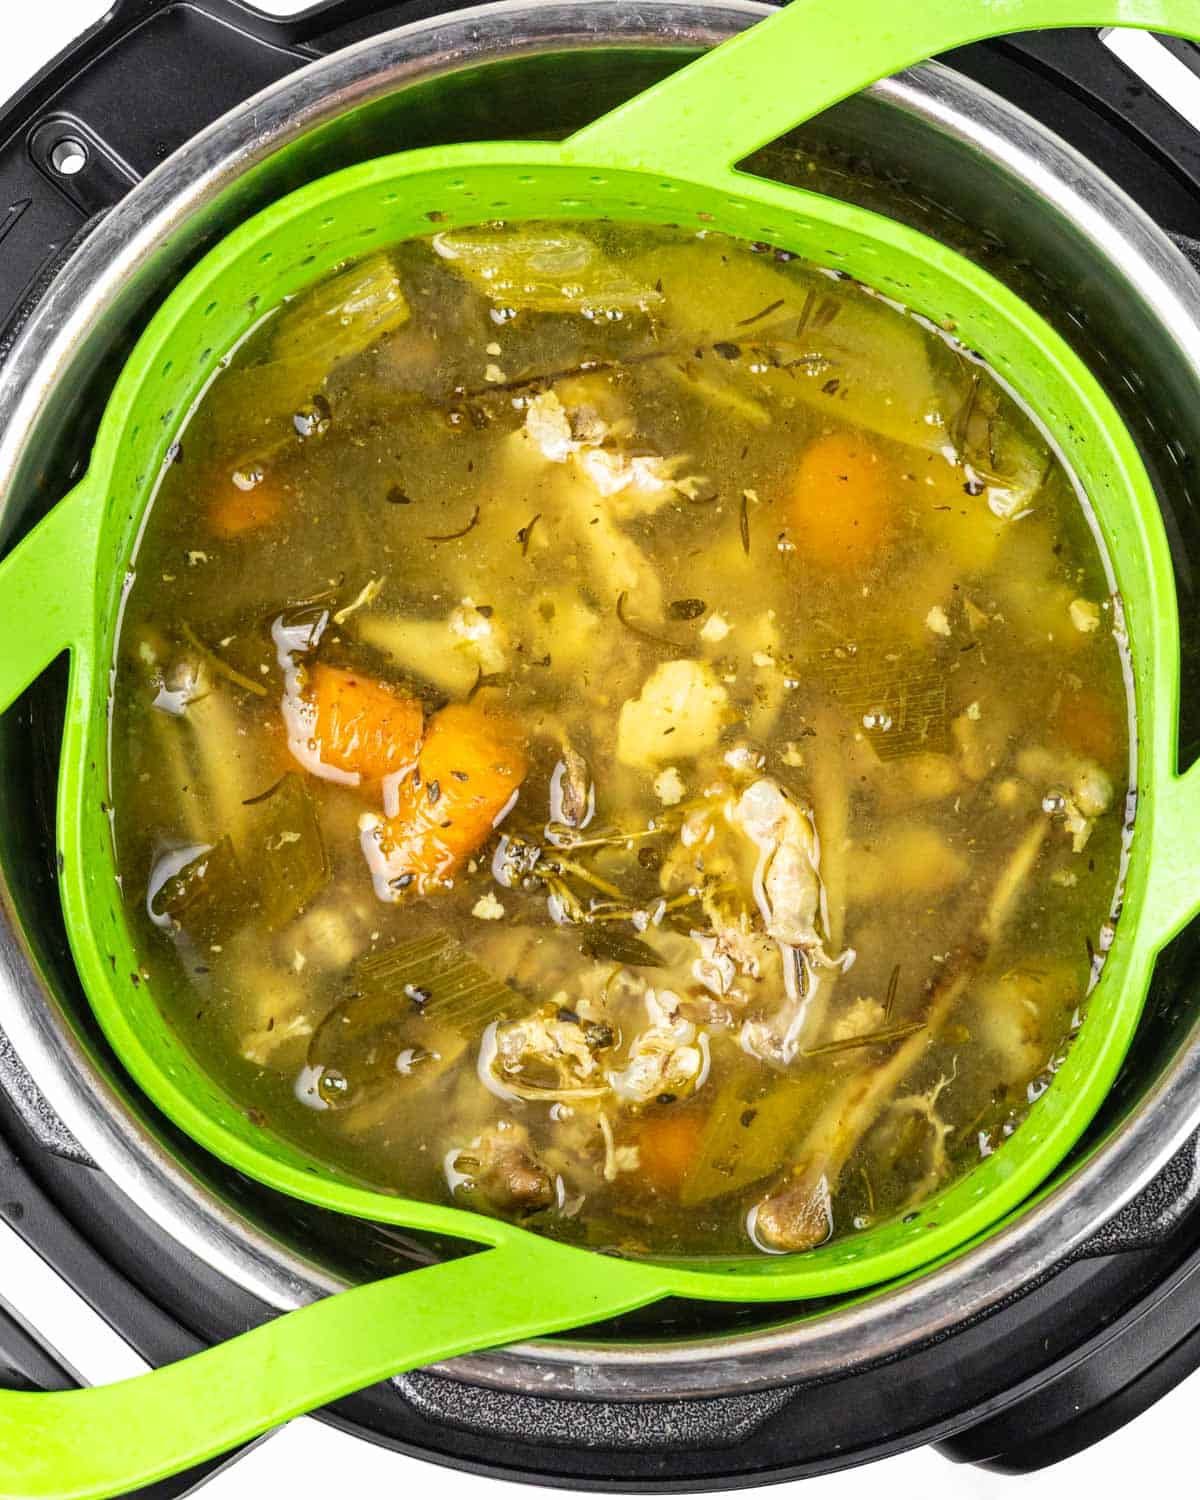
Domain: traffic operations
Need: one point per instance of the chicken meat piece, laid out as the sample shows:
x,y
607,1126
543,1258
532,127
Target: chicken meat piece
x,y
670,1057
860,1018
731,953
1076,791
583,433
787,882
558,433
549,1056
791,901
679,714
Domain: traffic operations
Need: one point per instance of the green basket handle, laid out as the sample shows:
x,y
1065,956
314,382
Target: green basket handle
x,y
699,122
47,591
109,1440
1172,897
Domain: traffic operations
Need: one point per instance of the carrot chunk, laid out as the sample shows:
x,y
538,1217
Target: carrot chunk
x,y
234,511
841,503
470,768
1090,725
360,726
667,1147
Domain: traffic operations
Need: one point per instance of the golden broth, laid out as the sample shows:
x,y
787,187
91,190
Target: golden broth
x,y
622,729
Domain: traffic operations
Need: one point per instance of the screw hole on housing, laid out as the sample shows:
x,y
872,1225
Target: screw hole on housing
x,y
68,156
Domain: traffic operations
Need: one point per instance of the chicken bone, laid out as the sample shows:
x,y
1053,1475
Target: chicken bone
x,y
502,1167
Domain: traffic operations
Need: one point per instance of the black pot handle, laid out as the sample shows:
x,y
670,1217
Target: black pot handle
x,y
112,106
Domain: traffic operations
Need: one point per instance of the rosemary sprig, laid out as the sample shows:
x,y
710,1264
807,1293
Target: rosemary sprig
x,y
868,1039
221,668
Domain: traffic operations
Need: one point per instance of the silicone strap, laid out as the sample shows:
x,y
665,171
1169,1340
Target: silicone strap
x,y
780,72
1173,895
47,591
109,1440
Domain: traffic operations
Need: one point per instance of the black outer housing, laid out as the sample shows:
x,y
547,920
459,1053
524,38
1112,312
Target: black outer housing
x,y
1069,1362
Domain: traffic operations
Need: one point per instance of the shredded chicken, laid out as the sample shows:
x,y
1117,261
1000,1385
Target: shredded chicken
x,y
670,1057
787,882
790,899
579,435
734,951
860,1018
546,1056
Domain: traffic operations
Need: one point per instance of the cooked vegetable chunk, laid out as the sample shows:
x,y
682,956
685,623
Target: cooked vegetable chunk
x,y
501,1167
363,727
842,503
469,770
678,714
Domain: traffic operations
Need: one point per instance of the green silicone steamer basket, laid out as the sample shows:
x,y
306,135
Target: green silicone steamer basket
x,y
668,156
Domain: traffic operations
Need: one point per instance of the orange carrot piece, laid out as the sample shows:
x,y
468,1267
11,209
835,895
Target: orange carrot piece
x,y
667,1146
470,768
841,503
361,726
234,511
1089,725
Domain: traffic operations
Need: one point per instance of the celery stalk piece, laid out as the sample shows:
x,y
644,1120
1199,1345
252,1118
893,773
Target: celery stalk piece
x,y
751,1132
335,321
544,268
809,338
340,317
284,852
435,975
206,898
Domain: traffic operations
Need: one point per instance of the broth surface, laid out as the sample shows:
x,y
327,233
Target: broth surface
x,y
621,729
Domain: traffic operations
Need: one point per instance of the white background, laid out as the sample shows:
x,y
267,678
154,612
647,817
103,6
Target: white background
x,y
307,1458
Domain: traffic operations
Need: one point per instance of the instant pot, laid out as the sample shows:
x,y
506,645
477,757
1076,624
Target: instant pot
x,y
1044,159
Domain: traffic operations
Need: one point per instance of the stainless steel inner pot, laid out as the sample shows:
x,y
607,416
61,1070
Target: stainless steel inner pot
x,y
929,147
